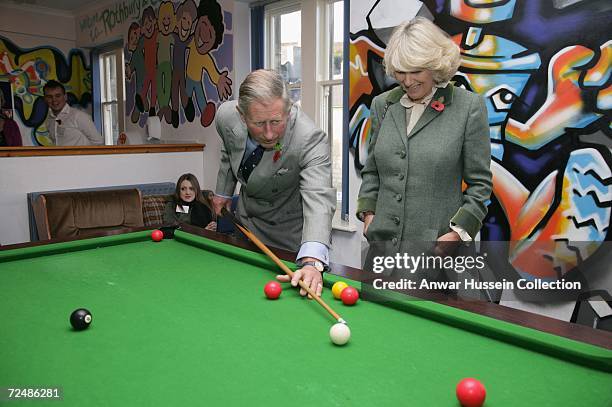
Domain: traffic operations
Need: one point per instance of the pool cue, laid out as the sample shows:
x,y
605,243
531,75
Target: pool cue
x,y
279,263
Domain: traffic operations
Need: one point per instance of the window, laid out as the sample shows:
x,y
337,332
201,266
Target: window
x,y
320,25
111,94
283,47
330,80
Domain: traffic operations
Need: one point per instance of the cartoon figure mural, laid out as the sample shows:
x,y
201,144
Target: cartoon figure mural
x,y
549,103
177,56
29,69
134,68
165,41
207,36
186,14
149,32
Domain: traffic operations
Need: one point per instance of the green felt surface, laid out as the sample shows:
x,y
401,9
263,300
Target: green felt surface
x,y
180,323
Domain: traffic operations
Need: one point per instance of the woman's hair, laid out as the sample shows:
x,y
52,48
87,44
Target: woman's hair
x,y
419,44
199,196
263,86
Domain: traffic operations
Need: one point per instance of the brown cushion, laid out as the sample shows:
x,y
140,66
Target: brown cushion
x,y
153,209
72,214
99,210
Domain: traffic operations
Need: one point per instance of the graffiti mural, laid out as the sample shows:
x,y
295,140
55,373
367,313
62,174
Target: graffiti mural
x,y
29,69
544,69
178,60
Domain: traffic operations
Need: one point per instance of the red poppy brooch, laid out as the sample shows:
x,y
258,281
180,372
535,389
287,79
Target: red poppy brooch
x,y
437,105
278,150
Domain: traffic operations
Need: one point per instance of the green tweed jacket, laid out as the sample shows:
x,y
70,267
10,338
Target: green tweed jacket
x,y
412,182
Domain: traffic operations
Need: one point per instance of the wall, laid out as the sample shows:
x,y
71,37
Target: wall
x,y
309,58
242,66
347,245
194,132
242,36
101,25
20,175
32,27
28,28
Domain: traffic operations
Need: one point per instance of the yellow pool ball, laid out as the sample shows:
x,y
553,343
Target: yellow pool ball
x,y
337,289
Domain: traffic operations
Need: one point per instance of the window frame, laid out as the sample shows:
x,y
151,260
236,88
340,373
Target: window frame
x,y
99,55
271,34
325,84
316,80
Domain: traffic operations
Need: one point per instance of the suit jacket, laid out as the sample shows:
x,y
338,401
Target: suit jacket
x,y
413,182
287,202
199,214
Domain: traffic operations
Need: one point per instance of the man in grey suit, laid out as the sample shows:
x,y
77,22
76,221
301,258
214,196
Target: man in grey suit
x,y
282,160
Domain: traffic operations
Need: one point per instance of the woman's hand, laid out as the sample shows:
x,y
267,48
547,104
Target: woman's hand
x,y
212,226
367,219
446,243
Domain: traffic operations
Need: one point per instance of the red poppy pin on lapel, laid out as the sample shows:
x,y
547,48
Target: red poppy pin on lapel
x,y
437,105
278,148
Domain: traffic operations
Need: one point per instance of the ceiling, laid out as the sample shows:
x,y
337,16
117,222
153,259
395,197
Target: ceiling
x,y
68,5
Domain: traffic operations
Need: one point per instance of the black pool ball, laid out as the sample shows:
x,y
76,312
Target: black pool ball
x,y
80,319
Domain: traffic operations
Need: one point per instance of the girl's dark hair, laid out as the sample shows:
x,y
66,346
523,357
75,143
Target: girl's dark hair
x,y
212,10
133,27
199,196
148,12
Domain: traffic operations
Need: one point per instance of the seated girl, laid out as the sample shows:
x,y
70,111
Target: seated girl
x,y
189,205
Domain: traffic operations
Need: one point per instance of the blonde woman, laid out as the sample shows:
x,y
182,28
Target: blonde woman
x,y
427,136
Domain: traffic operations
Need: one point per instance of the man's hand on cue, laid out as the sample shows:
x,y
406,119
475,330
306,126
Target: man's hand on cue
x,y
310,275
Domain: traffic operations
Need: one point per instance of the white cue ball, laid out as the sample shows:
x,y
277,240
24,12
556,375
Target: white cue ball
x,y
340,334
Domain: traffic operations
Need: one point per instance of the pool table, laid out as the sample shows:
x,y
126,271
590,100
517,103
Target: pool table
x,y
185,322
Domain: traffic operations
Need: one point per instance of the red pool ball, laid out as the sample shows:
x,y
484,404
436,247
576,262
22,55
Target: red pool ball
x,y
157,235
273,290
349,296
471,393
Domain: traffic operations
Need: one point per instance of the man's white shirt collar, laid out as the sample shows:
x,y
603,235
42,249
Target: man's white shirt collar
x,y
65,110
